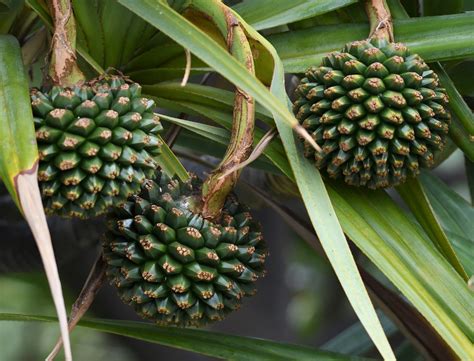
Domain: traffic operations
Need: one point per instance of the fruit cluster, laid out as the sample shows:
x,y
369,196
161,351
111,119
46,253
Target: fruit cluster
x,y
377,112
97,144
175,267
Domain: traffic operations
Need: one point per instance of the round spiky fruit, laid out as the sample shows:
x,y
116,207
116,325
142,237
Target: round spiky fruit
x,y
173,266
377,112
96,142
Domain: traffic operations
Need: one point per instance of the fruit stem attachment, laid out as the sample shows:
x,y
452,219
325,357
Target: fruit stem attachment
x,y
381,24
221,182
63,68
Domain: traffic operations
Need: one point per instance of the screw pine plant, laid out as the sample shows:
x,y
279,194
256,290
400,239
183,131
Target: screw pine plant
x,y
182,250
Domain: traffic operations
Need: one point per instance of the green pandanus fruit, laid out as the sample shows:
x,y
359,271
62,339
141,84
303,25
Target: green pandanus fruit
x,y
377,111
97,144
175,267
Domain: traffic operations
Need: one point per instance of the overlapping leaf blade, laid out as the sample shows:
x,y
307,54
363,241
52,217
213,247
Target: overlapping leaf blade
x,y
415,197
405,255
273,152
201,94
216,134
455,214
354,341
18,152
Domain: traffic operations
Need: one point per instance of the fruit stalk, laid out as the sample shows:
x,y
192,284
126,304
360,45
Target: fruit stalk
x,y
220,183
63,68
381,24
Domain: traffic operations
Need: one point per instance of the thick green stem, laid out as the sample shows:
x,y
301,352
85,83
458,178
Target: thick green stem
x,y
220,182
381,25
63,68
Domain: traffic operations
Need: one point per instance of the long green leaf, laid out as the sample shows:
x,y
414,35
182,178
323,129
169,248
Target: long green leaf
x,y
463,247
220,345
86,13
216,134
19,164
203,95
323,216
392,242
121,38
265,14
170,163
415,197
18,151
433,38
453,211
274,151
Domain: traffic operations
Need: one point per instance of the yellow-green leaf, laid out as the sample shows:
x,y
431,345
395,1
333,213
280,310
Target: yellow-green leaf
x,y
19,164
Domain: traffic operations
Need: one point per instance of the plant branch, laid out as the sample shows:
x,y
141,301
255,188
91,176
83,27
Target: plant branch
x,y
221,182
63,67
381,24
91,287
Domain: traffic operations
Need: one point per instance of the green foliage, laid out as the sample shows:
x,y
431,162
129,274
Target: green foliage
x,y
300,49
270,13
424,252
208,343
415,197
